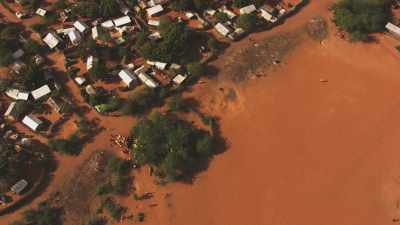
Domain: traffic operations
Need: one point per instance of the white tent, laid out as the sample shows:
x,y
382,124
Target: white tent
x,y
32,122
247,9
393,28
95,32
41,12
154,10
127,77
147,80
179,79
52,40
89,62
74,36
222,29
268,16
40,92
122,21
82,27
107,24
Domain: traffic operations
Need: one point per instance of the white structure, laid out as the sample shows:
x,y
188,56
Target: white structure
x,y
52,40
247,9
12,93
75,37
122,21
222,29
18,54
155,36
95,32
154,10
127,77
155,23
19,186
10,111
108,24
80,80
393,28
41,12
158,65
40,92
268,16
89,62
211,12
147,80
231,15
82,27
190,15
179,79
32,122
23,96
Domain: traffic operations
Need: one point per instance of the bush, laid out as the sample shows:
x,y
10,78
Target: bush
x,y
196,69
113,208
247,22
361,17
177,104
141,101
104,189
70,146
173,146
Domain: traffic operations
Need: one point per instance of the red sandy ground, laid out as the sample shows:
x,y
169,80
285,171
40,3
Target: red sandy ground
x,y
301,151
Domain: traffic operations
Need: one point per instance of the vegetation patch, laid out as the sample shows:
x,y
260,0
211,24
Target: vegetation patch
x,y
359,18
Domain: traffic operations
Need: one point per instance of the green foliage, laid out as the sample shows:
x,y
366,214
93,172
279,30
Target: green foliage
x,y
177,104
176,44
141,216
221,17
104,189
98,71
70,146
171,145
141,101
361,17
196,69
61,4
247,22
113,208
44,214
109,8
31,77
214,45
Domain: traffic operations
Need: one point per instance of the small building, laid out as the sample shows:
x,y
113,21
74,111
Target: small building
x,y
155,36
12,93
247,9
127,77
95,32
155,23
154,10
32,122
179,79
53,104
80,80
158,65
393,29
90,90
89,62
109,24
231,15
40,92
52,40
122,21
75,37
222,29
19,186
12,112
24,96
268,16
18,54
147,80
41,12
175,66
80,26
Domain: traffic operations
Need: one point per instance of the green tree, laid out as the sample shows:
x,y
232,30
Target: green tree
x,y
247,22
196,69
361,17
109,8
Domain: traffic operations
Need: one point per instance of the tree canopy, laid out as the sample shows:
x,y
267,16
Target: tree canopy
x,y
174,147
361,17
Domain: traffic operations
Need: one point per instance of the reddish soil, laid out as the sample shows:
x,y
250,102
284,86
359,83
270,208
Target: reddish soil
x,y
300,151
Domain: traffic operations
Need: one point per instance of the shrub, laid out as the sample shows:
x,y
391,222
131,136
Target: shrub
x,y
247,22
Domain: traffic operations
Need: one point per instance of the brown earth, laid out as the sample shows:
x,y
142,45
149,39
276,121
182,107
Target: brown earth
x,y
301,151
